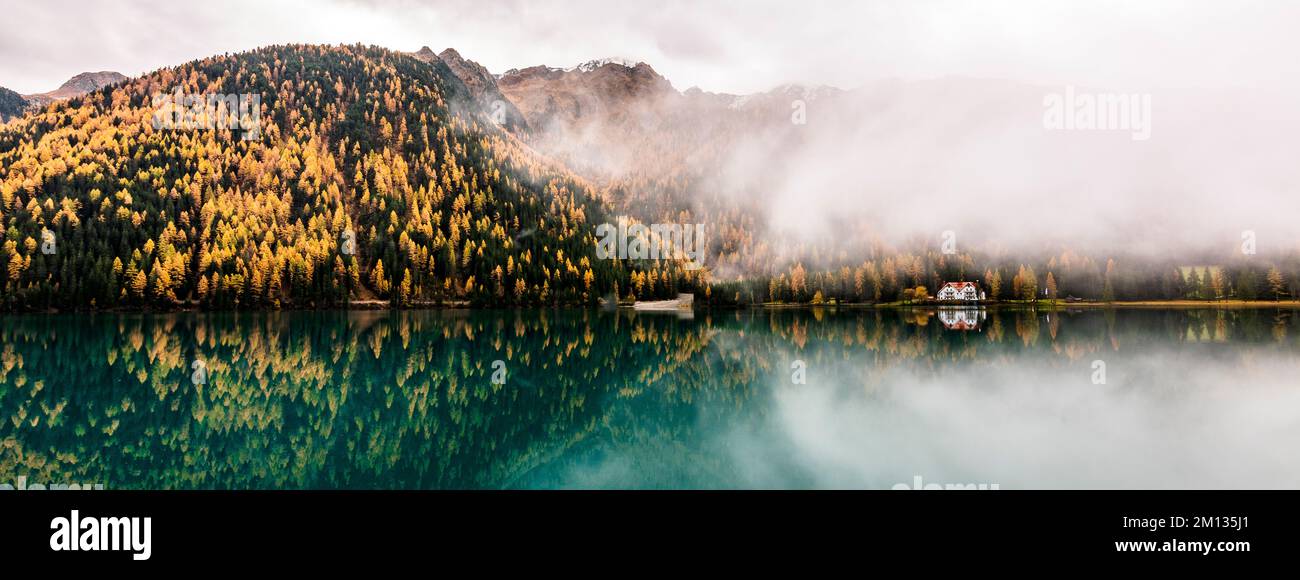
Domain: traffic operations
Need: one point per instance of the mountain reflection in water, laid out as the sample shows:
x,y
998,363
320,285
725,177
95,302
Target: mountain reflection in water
x,y
1190,399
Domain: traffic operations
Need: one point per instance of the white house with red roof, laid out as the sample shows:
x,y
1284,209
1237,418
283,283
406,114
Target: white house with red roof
x,y
960,291
962,318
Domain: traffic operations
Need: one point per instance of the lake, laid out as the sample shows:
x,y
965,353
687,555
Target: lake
x,y
788,398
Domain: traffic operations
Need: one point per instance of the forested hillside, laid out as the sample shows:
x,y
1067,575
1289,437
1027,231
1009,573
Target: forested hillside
x,y
11,104
385,176
443,205
755,171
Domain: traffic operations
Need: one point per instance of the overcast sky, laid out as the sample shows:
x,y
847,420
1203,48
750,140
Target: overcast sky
x,y
741,46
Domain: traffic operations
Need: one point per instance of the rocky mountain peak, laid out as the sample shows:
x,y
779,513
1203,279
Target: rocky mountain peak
x,y
90,81
425,54
76,86
482,85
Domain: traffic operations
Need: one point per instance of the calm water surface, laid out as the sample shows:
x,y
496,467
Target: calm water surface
x,y
748,399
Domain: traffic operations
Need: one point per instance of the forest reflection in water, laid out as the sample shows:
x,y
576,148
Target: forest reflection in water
x,y
732,399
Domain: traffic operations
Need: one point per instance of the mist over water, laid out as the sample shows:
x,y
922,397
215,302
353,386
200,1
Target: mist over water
x,y
1036,426
1191,412
622,399
409,400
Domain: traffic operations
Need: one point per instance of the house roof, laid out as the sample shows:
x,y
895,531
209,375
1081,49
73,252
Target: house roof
x,y
958,285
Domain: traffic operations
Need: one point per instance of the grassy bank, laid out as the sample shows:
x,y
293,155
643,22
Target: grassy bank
x,y
1050,304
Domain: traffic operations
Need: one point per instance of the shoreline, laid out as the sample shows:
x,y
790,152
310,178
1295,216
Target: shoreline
x,y
377,305
1053,305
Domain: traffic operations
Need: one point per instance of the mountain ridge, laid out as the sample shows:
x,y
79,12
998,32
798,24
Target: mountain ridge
x,y
12,104
482,84
449,204
373,175
80,84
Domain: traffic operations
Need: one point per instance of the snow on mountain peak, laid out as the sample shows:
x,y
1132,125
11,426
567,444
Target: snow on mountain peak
x,y
592,65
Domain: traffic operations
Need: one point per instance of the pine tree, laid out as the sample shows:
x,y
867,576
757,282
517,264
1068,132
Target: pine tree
x,y
138,282
1108,286
405,288
798,282
378,279
1217,284
1276,283
1028,283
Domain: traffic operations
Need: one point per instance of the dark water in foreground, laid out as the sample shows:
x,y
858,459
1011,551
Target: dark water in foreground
x,y
1190,398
